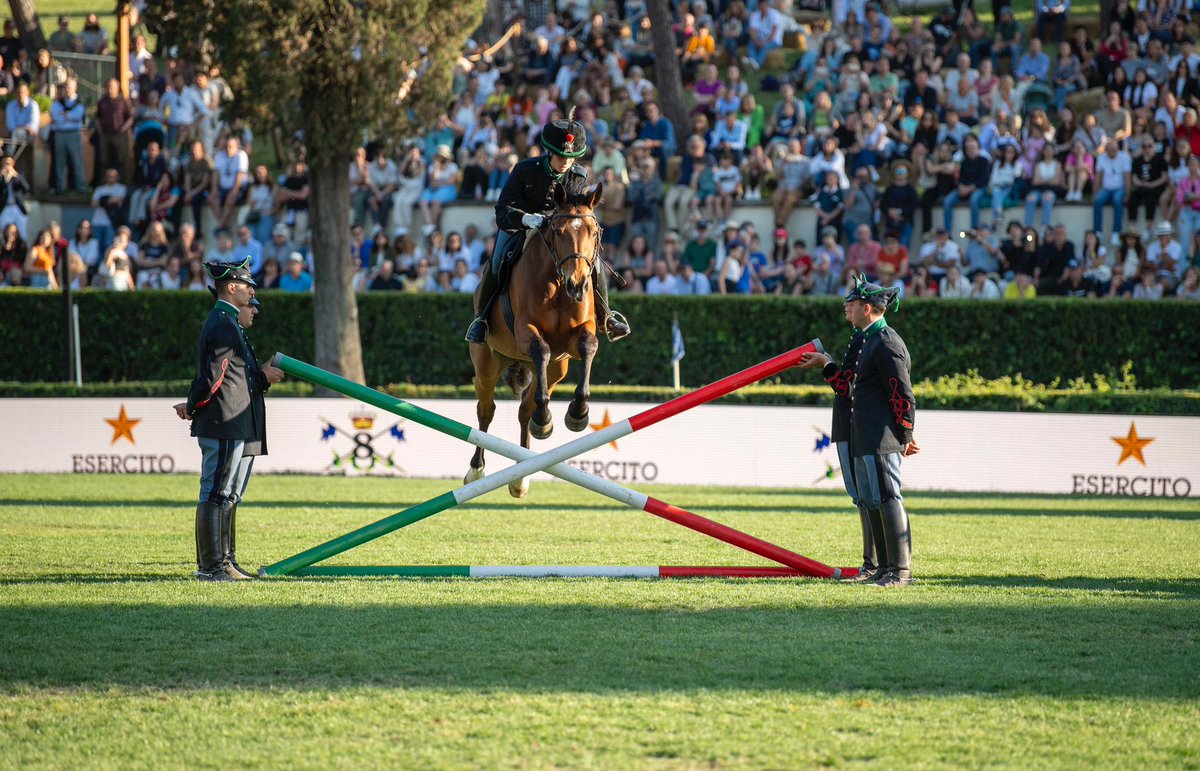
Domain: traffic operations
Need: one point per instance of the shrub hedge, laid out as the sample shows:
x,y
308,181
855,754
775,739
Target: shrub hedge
x,y
149,335
960,392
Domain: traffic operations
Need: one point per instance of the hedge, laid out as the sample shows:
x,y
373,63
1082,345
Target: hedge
x,y
961,392
144,335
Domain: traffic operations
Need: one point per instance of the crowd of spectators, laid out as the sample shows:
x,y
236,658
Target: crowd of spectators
x,y
873,122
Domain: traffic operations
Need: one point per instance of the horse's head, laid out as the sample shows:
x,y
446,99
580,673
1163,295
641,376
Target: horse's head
x,y
573,235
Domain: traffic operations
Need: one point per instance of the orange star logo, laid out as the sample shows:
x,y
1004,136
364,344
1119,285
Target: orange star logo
x,y
1131,446
122,426
603,425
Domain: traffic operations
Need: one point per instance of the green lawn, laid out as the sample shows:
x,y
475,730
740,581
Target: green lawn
x,y
1045,632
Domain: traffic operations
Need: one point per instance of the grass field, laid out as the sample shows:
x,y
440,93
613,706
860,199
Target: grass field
x,y
1045,632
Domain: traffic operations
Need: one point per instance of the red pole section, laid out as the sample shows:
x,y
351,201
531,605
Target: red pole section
x,y
724,386
742,540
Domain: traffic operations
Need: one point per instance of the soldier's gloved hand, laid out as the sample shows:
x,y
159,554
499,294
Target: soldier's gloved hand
x,y
534,221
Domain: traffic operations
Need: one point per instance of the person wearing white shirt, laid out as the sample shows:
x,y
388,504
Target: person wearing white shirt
x,y
940,254
183,106
552,31
829,159
1114,171
462,279
662,282
231,167
766,33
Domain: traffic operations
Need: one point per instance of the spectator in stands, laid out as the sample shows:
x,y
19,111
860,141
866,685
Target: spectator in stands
x,y
442,189
792,172
411,184
1166,257
701,252
1146,288
940,172
1006,172
1113,171
830,205
114,121
1056,253
296,278
93,39
386,279
612,209
861,201
983,286
247,249
152,257
661,282
13,190
939,254
765,31
727,179
973,178
1020,288
982,251
86,248
62,39
117,268
231,177
863,254
108,203
150,167
1074,282
270,275
39,263
953,285
474,184
360,172
163,204
24,121
382,182
292,198
66,128
729,135
690,282
1148,179
1047,184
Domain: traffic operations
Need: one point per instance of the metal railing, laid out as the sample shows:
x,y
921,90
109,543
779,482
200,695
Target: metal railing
x,y
91,71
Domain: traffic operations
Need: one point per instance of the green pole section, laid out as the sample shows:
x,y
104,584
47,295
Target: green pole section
x,y
413,571
317,376
362,535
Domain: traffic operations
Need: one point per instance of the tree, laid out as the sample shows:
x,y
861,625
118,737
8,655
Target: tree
x,y
339,71
666,66
24,13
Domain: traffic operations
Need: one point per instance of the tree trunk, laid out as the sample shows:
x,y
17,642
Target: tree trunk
x,y
666,65
24,13
335,308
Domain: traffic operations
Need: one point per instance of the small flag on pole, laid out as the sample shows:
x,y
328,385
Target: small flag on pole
x,y
677,349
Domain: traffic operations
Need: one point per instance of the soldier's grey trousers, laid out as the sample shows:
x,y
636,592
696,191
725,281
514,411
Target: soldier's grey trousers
x,y
870,479
224,470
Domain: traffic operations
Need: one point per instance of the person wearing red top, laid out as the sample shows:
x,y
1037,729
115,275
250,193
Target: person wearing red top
x,y
1189,130
894,253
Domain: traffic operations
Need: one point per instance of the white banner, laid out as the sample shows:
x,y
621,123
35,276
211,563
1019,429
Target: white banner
x,y
710,445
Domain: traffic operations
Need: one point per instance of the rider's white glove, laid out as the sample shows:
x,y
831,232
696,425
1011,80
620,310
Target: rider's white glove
x,y
534,221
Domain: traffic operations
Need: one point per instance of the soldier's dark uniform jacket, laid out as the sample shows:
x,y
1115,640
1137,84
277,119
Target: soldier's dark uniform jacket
x,y
529,190
882,404
840,379
226,397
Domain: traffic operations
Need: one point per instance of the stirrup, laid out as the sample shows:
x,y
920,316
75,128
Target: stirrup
x,y
618,317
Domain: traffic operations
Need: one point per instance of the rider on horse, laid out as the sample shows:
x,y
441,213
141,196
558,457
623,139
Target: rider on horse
x,y
526,202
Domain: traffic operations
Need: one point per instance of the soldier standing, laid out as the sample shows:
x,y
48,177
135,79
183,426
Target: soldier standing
x,y
875,383
228,414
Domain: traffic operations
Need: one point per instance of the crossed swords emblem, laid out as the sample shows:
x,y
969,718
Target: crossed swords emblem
x,y
363,456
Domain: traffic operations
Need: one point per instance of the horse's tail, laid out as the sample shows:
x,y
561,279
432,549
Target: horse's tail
x,y
518,378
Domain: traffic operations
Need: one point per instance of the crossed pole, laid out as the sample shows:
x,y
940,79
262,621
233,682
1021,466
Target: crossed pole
x,y
553,462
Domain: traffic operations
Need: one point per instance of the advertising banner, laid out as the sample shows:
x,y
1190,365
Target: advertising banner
x,y
710,445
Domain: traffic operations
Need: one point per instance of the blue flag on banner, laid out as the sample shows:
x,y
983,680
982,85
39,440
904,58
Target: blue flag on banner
x,y
677,349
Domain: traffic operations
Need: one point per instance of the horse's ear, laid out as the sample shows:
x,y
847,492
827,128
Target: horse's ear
x,y
560,195
597,194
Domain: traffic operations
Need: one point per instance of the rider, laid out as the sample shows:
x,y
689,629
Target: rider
x,y
525,202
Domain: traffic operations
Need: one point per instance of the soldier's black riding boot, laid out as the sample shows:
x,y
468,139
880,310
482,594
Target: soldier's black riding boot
x,y
875,521
210,556
477,332
612,323
870,563
229,543
899,545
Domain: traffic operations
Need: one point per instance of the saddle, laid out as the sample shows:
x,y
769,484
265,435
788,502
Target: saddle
x,y
507,261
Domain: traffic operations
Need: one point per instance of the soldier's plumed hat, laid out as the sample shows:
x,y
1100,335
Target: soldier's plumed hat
x,y
565,137
230,271
873,294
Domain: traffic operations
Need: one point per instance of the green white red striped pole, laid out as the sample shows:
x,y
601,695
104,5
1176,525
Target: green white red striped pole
x,y
551,461
548,571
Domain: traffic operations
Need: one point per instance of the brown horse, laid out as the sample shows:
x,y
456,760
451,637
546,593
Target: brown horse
x,y
550,291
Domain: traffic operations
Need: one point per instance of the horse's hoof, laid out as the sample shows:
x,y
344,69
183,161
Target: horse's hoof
x,y
541,431
576,423
472,475
519,488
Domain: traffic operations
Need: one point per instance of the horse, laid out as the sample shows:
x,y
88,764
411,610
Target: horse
x,y
554,321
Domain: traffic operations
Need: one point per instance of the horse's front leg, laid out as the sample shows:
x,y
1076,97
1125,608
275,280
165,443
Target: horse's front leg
x,y
577,412
541,422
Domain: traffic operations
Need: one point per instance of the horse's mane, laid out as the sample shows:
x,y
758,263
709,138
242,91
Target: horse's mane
x,y
577,189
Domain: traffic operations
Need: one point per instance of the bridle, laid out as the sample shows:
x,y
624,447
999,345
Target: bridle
x,y
560,261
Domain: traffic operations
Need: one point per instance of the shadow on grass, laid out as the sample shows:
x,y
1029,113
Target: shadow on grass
x,y
837,504
1079,647
1182,587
